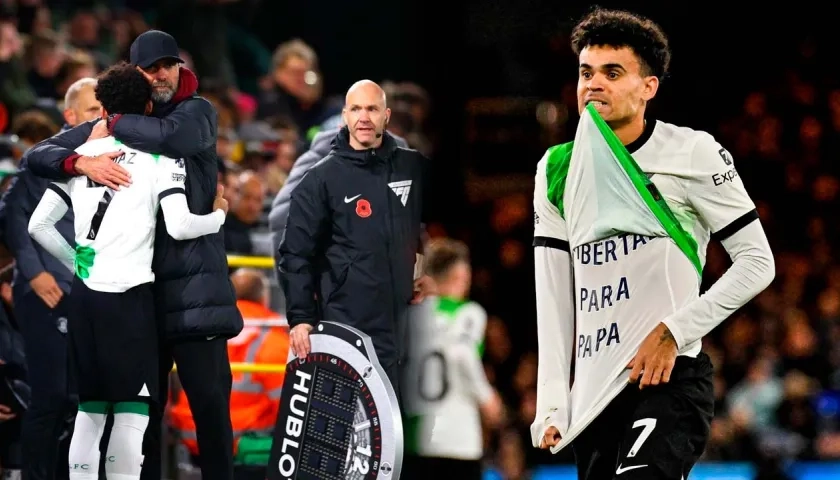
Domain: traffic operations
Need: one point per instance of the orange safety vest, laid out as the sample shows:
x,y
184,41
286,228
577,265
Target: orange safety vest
x,y
254,398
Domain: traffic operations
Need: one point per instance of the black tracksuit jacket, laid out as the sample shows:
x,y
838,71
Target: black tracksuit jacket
x,y
348,251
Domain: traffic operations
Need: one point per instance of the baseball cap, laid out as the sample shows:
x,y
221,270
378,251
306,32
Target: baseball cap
x,y
151,46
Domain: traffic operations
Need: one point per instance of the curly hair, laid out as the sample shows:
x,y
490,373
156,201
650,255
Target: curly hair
x,y
123,89
617,28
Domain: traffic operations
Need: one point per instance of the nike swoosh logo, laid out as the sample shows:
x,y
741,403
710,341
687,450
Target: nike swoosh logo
x,y
348,200
211,337
619,470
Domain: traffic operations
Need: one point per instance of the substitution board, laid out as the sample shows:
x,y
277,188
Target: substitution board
x,y
339,417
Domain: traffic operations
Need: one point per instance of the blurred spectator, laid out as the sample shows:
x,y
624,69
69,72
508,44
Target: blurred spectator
x,y
758,395
511,457
83,33
204,36
33,126
44,57
77,66
285,152
228,147
126,26
229,178
413,101
258,142
296,88
16,93
244,214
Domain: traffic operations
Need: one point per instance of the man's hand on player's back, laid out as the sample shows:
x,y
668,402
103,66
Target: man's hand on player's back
x,y
655,358
102,170
551,437
219,203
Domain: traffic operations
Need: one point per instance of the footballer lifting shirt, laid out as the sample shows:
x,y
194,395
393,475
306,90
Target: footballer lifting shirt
x,y
600,292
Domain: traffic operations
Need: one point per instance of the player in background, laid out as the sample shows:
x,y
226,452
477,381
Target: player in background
x,y
112,328
448,394
627,308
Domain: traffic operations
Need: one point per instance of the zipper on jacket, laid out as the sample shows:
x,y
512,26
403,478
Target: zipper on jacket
x,y
388,244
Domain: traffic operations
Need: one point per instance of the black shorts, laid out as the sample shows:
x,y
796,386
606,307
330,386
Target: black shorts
x,y
653,434
113,344
416,467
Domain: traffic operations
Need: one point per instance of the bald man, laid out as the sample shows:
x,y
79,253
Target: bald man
x,y
80,103
251,285
348,251
244,214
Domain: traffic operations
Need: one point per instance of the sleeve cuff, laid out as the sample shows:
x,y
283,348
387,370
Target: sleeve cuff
x,y
69,165
298,321
671,323
30,271
113,122
538,428
220,215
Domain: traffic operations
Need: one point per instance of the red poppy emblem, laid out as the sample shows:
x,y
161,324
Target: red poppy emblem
x,y
363,208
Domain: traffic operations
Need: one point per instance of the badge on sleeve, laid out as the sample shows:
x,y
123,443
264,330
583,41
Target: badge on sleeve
x,y
727,158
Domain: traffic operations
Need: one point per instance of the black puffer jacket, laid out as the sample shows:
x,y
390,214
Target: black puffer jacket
x,y
193,292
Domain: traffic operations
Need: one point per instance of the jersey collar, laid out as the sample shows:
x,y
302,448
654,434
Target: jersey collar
x,y
636,144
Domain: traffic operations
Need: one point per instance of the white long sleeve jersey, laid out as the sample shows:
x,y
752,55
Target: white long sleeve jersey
x,y
445,383
597,301
115,230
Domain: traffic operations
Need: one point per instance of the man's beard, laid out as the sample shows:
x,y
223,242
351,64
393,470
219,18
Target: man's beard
x,y
163,96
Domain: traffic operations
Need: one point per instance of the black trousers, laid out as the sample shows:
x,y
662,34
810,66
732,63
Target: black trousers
x,y
204,372
10,453
417,468
44,333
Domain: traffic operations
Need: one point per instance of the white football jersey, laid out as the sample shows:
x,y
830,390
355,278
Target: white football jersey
x,y
624,286
115,230
446,382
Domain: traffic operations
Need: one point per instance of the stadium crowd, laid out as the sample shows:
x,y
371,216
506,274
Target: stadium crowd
x,y
777,361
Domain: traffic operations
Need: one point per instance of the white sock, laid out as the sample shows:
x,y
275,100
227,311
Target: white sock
x,y
125,448
84,446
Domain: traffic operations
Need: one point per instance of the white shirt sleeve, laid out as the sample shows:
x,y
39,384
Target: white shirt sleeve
x,y
718,196
472,371
555,313
180,223
52,207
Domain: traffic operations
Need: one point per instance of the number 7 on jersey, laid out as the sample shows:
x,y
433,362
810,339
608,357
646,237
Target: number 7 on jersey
x,y
96,221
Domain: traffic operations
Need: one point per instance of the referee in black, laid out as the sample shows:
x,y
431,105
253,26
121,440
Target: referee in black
x,y
195,302
354,229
